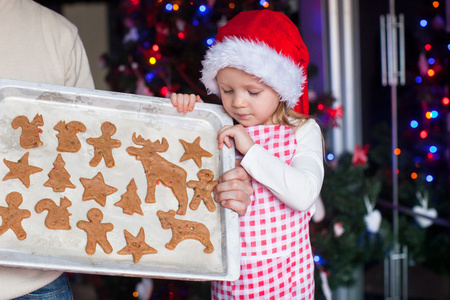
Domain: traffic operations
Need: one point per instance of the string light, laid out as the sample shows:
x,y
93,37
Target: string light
x,y
320,106
231,5
164,91
428,47
397,151
135,294
414,175
155,48
414,124
169,7
434,114
423,23
418,79
435,4
152,60
445,100
210,41
423,134
429,178
176,7
330,156
431,72
432,149
431,61
149,77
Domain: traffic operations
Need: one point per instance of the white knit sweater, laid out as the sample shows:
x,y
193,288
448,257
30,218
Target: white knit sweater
x,y
37,44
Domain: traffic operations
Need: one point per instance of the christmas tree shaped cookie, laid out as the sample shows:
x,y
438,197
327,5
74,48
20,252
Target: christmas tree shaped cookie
x,y
20,170
136,246
58,216
59,177
130,201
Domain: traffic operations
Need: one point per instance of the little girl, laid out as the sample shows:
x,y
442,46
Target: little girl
x,y
258,68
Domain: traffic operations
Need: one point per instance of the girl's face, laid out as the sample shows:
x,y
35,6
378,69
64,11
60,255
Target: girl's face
x,y
249,101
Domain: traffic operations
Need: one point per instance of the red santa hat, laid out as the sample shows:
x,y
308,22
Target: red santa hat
x,y
265,44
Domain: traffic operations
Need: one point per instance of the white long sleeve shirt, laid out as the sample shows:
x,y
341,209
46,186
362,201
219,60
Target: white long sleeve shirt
x,y
37,44
297,184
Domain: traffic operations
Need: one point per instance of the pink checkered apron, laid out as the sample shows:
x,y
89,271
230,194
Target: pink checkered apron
x,y
276,259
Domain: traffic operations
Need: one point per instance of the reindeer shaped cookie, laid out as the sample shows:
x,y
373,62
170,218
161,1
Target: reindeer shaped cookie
x,y
158,169
30,131
182,230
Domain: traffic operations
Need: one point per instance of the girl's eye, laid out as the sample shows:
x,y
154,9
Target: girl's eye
x,y
227,91
253,93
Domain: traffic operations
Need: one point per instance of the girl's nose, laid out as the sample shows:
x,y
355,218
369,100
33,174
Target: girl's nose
x,y
239,101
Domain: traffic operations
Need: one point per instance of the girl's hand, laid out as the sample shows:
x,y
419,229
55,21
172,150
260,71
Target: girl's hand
x,y
234,189
242,140
184,102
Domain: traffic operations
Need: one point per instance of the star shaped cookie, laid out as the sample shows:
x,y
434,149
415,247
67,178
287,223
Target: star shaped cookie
x,y
136,246
96,189
21,170
194,151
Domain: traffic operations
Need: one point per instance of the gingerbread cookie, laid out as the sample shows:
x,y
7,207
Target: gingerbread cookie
x,y
21,170
194,151
59,177
30,131
67,136
12,215
203,189
130,201
58,216
136,246
96,189
96,231
158,169
103,145
182,230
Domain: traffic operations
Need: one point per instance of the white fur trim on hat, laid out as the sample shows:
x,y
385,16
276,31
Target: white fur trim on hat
x,y
258,59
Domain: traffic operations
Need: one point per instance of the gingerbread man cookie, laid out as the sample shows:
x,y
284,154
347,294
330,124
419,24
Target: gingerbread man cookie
x,y
96,231
136,246
20,170
195,151
30,131
182,230
58,216
12,215
96,189
103,145
203,190
67,136
59,177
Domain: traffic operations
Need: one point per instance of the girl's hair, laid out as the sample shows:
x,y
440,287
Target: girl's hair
x,y
289,117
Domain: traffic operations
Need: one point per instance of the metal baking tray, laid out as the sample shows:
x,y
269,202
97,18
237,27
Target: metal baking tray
x,y
150,117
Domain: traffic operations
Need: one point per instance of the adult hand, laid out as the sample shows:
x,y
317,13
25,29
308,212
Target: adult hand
x,y
234,189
